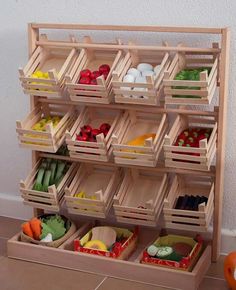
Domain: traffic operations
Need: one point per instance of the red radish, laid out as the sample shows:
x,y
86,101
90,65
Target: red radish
x,y
86,129
95,132
95,74
105,127
86,73
104,69
93,82
84,81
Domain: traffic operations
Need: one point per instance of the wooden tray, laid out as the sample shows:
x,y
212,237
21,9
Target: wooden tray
x,y
94,180
50,140
207,83
174,155
100,150
154,85
197,221
65,257
91,59
50,200
56,61
134,124
140,197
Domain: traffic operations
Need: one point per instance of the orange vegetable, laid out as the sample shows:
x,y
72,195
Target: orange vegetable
x,y
229,270
27,229
36,228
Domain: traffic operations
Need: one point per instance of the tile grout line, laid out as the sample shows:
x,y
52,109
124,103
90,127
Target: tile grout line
x,y
98,286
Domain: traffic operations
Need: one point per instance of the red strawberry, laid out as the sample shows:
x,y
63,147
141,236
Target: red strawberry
x,y
95,74
86,73
84,81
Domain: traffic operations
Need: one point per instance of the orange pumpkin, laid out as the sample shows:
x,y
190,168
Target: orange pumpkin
x,y
230,270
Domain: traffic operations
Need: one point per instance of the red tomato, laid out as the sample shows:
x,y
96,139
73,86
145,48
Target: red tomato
x,y
84,81
86,73
104,69
93,82
95,74
83,137
95,132
86,129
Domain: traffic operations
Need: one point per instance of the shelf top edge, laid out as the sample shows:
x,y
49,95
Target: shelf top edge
x,y
152,28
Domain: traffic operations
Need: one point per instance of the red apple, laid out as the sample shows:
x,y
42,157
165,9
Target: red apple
x,y
105,127
84,81
95,74
92,139
104,69
105,75
86,73
83,137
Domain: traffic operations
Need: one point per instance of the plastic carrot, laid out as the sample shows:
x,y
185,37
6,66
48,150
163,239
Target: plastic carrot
x,y
36,227
27,229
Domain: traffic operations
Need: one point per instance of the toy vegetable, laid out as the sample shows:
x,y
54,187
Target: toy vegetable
x,y
230,270
27,229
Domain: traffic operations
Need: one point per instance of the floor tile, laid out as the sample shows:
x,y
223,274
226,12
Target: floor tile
x,y
217,269
117,284
20,275
3,247
213,284
9,227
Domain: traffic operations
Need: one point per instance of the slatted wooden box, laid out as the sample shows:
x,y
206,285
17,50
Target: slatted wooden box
x,y
100,150
56,61
191,157
133,125
148,93
51,139
140,197
99,183
92,58
190,92
50,200
197,221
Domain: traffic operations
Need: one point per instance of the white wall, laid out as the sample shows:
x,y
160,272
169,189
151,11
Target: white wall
x,y
14,16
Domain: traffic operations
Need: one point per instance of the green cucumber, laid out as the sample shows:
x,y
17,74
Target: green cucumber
x,y
38,183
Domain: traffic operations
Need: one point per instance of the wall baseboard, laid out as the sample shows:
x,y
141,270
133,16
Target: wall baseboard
x,y
12,206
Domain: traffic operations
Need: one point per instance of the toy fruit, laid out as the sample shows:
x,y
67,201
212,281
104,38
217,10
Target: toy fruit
x,y
230,270
140,140
95,74
104,127
84,81
104,69
86,129
86,73
95,132
83,137
96,244
93,82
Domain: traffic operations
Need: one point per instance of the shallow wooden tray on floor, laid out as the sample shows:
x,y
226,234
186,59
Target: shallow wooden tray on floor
x,y
134,124
92,58
132,269
207,84
57,62
139,199
100,150
197,221
50,200
51,139
195,158
153,86
95,180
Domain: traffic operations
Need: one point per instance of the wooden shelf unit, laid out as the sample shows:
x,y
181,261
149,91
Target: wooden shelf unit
x,y
132,269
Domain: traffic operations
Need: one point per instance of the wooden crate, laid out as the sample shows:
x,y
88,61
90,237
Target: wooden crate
x,y
53,137
92,58
140,197
190,157
56,61
65,257
100,150
174,90
98,181
153,88
50,200
133,125
197,221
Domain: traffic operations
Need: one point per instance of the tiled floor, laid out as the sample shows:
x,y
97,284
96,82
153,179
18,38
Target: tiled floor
x,y
20,275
